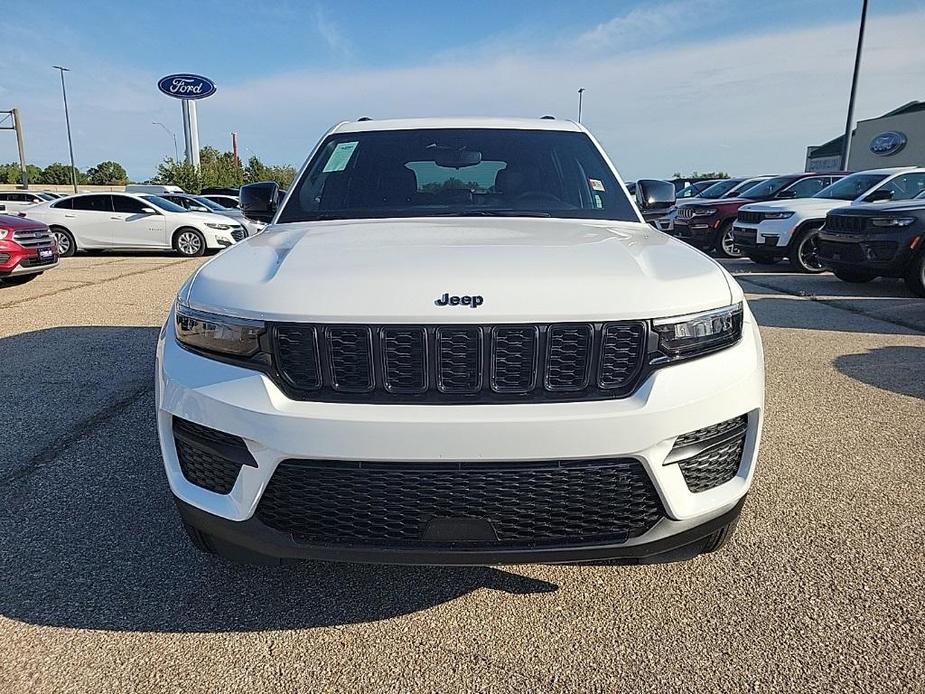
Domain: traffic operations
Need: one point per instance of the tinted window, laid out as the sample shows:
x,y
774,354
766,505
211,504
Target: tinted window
x,y
123,203
209,204
906,186
6,197
163,204
850,187
807,187
421,173
65,204
96,203
718,190
768,188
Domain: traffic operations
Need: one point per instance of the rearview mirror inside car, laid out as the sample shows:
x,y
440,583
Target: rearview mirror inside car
x,y
786,194
260,200
652,194
453,158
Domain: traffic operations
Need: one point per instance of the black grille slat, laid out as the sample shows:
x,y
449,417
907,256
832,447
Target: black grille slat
x,y
513,358
351,356
568,357
529,504
459,359
404,360
455,364
622,353
749,217
714,466
711,431
209,458
845,223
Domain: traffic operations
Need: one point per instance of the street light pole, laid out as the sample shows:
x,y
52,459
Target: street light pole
x,y
176,151
580,93
854,89
67,121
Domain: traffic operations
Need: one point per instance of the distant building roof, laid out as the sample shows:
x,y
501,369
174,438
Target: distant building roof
x,y
834,147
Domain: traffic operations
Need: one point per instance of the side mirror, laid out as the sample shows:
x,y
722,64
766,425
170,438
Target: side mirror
x,y
260,200
786,195
148,210
879,195
653,195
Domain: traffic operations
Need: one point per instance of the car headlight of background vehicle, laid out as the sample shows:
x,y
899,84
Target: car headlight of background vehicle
x,y
786,214
703,211
696,334
220,227
222,335
892,221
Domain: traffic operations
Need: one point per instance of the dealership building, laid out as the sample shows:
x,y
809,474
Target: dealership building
x,y
896,138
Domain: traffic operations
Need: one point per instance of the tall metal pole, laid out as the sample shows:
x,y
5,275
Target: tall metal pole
x,y
580,93
176,151
67,121
854,88
24,172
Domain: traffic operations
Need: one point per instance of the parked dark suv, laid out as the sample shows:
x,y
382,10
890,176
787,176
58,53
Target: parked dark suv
x,y
708,224
862,242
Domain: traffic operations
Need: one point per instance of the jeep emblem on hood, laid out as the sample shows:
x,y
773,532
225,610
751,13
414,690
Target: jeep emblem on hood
x,y
465,300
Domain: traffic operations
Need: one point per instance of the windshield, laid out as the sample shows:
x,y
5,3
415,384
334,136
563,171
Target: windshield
x,y
850,187
457,172
209,204
768,188
163,204
46,196
718,190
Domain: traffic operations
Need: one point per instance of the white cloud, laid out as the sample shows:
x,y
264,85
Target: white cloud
x,y
648,23
745,104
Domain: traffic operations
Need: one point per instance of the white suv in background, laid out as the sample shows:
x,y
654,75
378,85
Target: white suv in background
x,y
98,221
769,231
458,343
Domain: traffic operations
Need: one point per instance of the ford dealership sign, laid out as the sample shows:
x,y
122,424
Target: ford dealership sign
x,y
888,143
186,86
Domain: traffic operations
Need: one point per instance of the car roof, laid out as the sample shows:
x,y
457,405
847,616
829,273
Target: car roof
x,y
459,122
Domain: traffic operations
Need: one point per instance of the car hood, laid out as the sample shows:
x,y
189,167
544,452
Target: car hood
x,y
887,207
525,270
799,205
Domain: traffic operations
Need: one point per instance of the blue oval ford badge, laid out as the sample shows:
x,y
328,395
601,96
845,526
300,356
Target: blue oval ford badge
x,y
888,143
186,86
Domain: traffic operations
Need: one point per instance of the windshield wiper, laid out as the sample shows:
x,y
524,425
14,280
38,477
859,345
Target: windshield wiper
x,y
489,213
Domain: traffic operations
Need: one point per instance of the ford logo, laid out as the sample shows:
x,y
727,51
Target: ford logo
x,y
888,143
186,86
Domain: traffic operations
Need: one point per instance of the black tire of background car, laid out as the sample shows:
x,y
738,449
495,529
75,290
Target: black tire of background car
x,y
71,243
177,245
19,279
915,275
853,276
724,231
805,236
763,259
719,538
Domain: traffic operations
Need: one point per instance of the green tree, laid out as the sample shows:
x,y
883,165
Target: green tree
x,y
219,169
702,174
178,173
107,173
10,173
55,173
257,171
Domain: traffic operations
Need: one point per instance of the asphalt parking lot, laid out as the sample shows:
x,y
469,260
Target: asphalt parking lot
x,y
821,589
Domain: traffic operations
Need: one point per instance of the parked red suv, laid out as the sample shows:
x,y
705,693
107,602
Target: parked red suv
x,y
708,224
27,249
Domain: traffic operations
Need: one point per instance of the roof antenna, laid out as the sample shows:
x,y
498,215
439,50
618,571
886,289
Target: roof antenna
x,y
548,118
363,119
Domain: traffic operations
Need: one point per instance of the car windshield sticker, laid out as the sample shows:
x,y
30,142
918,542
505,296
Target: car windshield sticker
x,y
596,184
340,157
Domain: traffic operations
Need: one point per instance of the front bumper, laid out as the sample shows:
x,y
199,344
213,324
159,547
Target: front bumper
x,y
15,260
699,232
885,255
770,237
643,427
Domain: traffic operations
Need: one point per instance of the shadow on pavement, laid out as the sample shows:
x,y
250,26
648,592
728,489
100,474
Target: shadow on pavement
x,y
898,369
775,310
91,539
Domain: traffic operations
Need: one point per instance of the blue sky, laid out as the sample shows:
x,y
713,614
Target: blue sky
x,y
676,84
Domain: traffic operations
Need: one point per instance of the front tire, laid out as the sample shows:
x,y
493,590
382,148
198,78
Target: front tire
x,y
915,276
67,246
189,243
804,252
725,245
853,276
763,259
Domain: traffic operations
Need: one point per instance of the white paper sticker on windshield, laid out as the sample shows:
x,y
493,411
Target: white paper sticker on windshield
x,y
596,184
340,157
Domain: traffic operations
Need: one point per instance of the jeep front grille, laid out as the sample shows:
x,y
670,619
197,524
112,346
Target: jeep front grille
x,y
845,223
459,363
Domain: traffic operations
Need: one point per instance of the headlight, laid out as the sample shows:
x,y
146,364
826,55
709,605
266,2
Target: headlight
x,y
777,215
210,332
703,211
4,233
881,221
684,337
220,227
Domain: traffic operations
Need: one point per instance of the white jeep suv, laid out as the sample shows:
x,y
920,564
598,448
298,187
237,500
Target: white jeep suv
x,y
458,343
769,231
126,221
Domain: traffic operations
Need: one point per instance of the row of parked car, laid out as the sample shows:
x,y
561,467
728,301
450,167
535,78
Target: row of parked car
x,y
860,225
36,228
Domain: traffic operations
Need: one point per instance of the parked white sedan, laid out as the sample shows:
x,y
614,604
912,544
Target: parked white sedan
x,y
124,221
